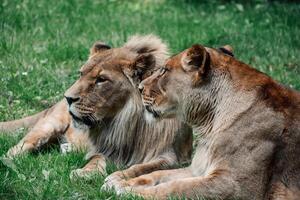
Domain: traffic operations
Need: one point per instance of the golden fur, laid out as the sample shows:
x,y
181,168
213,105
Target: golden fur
x,y
248,129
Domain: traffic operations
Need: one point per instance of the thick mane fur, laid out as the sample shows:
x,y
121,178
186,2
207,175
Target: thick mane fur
x,y
149,44
128,139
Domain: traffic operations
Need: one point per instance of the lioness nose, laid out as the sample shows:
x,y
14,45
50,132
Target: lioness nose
x,y
141,87
148,108
71,100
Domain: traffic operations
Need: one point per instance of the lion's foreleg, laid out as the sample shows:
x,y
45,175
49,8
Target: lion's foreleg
x,y
50,127
95,165
33,140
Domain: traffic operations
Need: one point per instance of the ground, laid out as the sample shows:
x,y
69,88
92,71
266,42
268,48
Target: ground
x,y
43,44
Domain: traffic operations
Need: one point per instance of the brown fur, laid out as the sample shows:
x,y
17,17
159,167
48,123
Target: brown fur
x,y
248,129
109,117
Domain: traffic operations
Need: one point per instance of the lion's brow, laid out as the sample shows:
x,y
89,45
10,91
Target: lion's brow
x,y
87,68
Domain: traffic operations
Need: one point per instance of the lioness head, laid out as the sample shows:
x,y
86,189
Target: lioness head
x,y
110,77
166,89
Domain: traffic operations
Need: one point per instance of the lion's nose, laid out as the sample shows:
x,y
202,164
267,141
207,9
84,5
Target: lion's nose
x,y
71,100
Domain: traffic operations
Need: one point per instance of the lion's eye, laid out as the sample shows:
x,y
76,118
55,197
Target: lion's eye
x,y
100,79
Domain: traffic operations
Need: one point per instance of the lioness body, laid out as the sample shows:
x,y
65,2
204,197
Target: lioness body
x,y
122,135
248,127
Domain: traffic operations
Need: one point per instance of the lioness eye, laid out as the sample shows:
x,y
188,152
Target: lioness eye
x,y
163,70
100,79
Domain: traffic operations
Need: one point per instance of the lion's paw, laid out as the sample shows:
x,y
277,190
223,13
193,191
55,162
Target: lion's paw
x,y
66,148
83,174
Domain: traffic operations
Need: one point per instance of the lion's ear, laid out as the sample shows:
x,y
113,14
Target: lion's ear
x,y
141,67
227,49
195,59
144,62
97,47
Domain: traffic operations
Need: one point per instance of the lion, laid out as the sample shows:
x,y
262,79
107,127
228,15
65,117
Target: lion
x,y
104,110
248,129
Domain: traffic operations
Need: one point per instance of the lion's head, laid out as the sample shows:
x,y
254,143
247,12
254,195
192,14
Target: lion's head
x,y
167,89
110,77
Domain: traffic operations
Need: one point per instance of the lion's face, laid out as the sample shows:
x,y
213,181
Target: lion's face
x,y
165,90
107,80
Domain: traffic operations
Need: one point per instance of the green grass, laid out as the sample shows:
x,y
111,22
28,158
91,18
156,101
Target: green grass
x,y
43,44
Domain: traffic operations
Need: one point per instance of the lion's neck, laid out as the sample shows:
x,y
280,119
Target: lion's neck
x,y
114,139
215,105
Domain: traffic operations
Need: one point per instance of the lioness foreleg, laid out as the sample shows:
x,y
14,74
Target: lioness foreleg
x,y
158,177
216,185
119,178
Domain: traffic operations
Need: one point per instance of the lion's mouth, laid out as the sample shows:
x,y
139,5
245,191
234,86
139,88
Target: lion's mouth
x,y
155,113
84,120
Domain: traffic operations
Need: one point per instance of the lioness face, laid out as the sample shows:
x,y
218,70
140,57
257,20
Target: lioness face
x,y
106,82
164,90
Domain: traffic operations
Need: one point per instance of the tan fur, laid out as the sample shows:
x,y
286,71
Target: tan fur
x,y
248,129
120,133
52,126
27,122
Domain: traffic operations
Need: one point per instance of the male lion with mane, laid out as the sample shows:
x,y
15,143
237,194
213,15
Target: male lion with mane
x,y
106,112
249,128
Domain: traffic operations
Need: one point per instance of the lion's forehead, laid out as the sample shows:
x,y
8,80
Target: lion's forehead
x,y
113,59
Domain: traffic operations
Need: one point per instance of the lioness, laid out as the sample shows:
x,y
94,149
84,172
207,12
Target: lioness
x,y
249,128
106,103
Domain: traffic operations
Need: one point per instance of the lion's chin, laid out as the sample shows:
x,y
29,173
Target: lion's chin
x,y
151,117
81,122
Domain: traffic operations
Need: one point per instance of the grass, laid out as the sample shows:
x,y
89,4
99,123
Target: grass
x,y
43,44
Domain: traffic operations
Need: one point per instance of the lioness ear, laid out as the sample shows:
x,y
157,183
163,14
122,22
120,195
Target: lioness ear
x,y
227,49
97,47
195,60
